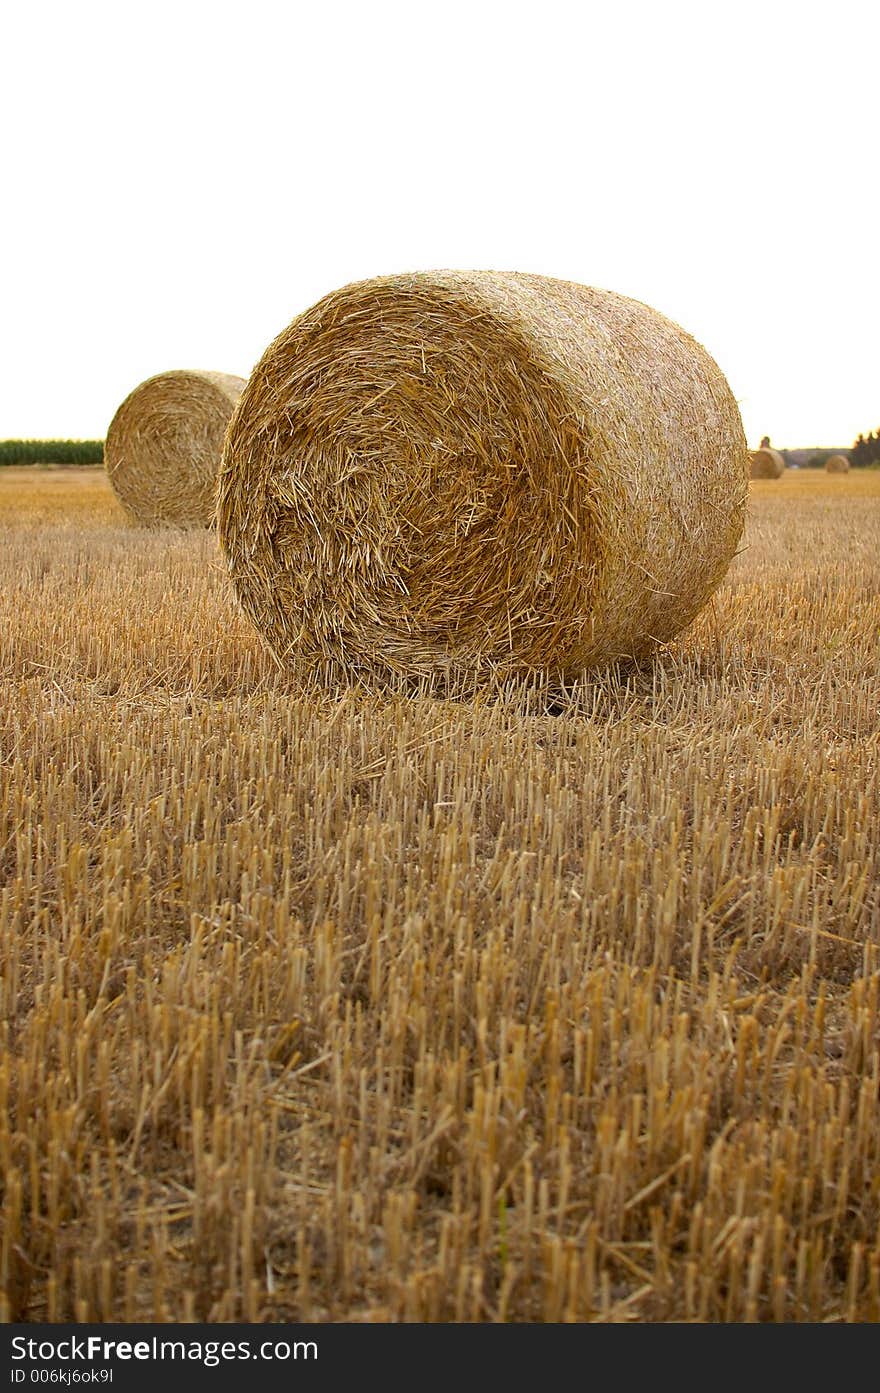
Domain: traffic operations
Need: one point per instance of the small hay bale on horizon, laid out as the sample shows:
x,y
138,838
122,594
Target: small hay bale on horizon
x,y
766,463
460,474
163,447
837,464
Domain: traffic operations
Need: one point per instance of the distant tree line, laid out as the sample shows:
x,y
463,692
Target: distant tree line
x,y
866,449
51,451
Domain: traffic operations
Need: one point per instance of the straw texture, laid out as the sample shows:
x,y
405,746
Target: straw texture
x,y
479,473
837,464
767,463
163,447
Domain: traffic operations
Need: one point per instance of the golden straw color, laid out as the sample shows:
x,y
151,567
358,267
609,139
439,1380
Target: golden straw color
x,y
163,447
470,473
837,464
767,464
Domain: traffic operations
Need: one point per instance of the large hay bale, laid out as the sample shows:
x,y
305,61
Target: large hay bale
x,y
476,472
767,463
837,464
163,447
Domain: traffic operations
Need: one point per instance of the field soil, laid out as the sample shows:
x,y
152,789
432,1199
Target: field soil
x,y
343,1005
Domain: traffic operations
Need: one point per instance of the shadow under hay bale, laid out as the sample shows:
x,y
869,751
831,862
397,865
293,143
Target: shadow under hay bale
x,y
767,463
163,448
449,474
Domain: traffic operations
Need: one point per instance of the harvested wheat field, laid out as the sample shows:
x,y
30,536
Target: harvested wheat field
x,y
334,1006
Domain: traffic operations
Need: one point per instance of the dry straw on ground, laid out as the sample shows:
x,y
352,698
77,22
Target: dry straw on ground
x,y
355,1008
837,464
163,447
456,473
767,464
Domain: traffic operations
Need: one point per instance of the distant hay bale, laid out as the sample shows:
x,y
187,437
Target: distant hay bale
x,y
767,464
837,464
163,447
475,473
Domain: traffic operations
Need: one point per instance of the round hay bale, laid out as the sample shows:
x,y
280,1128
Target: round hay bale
x,y
163,447
767,464
837,464
467,473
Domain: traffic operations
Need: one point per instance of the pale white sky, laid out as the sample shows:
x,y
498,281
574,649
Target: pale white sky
x,y
180,178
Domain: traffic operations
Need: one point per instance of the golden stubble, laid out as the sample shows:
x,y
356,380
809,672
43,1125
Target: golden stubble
x,y
554,1005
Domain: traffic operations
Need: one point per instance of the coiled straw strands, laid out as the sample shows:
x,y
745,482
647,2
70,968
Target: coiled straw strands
x,y
479,473
163,447
767,464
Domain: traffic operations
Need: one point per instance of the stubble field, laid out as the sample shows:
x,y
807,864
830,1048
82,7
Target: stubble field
x,y
350,1006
